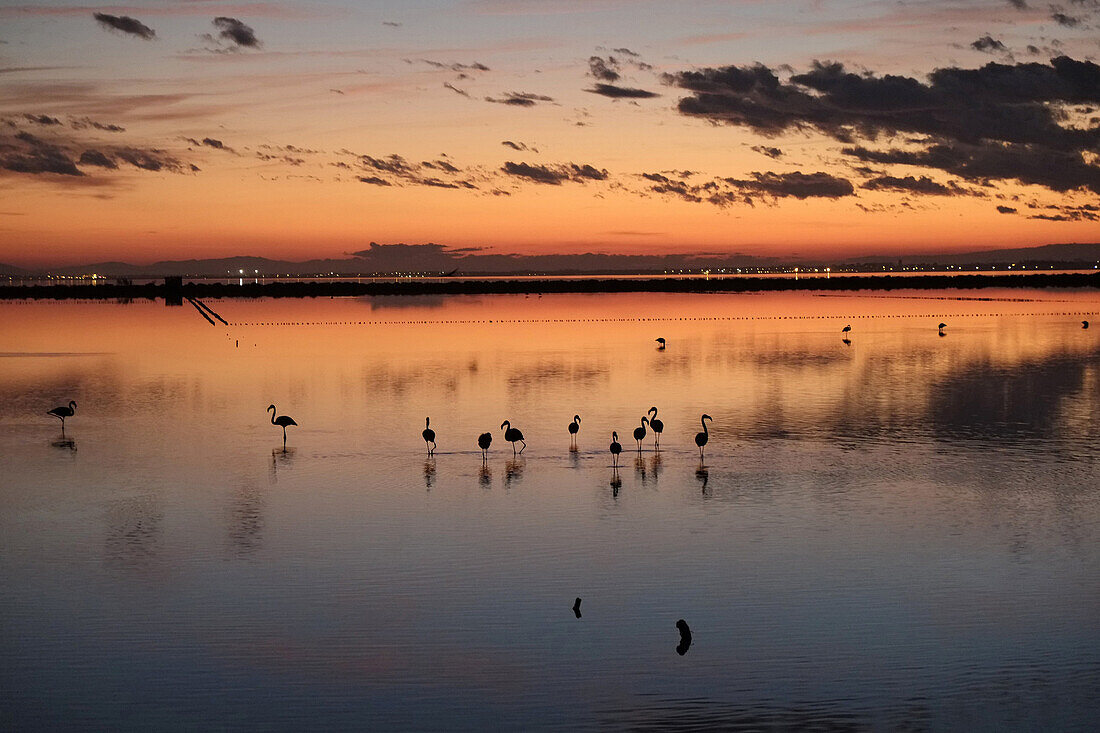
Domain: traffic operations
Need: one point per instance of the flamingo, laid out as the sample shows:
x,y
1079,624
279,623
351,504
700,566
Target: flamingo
x,y
429,436
615,447
574,428
658,427
639,433
661,344
1084,324
846,329
702,438
512,435
942,326
484,441
63,412
282,421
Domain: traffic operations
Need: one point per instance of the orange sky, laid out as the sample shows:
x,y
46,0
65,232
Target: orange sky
x,y
274,134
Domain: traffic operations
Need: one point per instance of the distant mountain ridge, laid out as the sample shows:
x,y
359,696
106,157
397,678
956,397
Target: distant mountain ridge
x,y
433,258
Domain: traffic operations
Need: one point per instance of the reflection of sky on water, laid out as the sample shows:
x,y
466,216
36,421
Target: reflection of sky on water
x,y
899,533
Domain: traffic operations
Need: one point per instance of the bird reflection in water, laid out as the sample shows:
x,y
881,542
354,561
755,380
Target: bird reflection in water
x,y
846,341
685,638
513,471
616,482
64,442
429,473
246,519
485,476
281,458
655,464
703,474
577,607
640,469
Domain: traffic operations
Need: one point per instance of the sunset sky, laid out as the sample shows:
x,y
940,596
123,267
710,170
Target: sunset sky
x,y
193,128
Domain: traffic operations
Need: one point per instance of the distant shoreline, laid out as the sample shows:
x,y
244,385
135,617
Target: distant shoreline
x,y
595,284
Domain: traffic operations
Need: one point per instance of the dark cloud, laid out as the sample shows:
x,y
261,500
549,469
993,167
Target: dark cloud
x,y
923,185
374,180
1006,210
1065,20
626,52
149,160
125,24
236,32
212,143
1018,4
521,147
988,44
25,153
84,123
96,158
476,66
520,99
1000,121
391,164
774,153
554,175
1088,212
793,185
440,165
391,24
42,119
604,69
456,90
617,92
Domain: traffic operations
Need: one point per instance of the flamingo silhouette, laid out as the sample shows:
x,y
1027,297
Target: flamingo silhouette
x,y
702,438
63,412
429,436
512,435
282,421
484,441
639,433
661,344
615,447
846,329
1084,324
574,428
657,426
942,326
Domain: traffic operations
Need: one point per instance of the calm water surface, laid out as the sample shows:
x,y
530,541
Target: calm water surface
x,y
902,532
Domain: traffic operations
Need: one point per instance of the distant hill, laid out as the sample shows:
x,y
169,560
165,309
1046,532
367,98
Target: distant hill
x,y
430,258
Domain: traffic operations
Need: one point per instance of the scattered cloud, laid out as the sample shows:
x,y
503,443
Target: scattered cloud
x,y
476,66
391,24
604,69
236,32
617,92
988,44
996,122
520,99
554,175
774,153
125,24
42,119
456,90
1067,21
1006,210
374,180
519,146
909,184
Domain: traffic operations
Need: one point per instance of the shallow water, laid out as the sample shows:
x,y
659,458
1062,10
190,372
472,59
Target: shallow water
x,y
897,532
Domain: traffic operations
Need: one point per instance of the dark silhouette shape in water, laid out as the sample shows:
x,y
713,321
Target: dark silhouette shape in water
x,y
639,433
616,483
685,638
485,476
63,412
703,475
577,607
702,438
574,428
512,435
64,442
282,421
513,471
941,327
847,329
1084,324
429,473
429,436
660,344
616,448
846,341
484,441
658,427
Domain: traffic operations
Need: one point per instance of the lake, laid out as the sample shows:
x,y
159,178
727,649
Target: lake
x,y
897,530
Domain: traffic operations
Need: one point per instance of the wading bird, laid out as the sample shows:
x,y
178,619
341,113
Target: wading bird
x,y
63,412
685,637
660,344
282,421
615,448
429,436
941,327
639,433
702,438
574,428
846,329
484,441
512,435
657,426
1084,324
